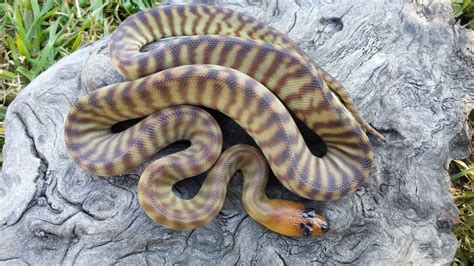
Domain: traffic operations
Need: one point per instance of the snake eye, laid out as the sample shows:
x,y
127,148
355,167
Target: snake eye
x,y
307,229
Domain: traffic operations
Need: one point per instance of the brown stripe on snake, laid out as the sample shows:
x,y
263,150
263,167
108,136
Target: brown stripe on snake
x,y
247,25
279,65
231,81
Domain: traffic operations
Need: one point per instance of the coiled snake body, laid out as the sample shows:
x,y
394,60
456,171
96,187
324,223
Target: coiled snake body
x,y
245,69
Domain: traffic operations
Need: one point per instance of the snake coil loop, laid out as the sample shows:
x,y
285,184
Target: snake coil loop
x,y
249,71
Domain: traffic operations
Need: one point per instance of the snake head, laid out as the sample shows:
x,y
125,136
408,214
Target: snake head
x,y
313,224
290,218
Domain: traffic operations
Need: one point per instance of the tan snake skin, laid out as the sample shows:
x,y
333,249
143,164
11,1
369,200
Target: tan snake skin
x,y
245,69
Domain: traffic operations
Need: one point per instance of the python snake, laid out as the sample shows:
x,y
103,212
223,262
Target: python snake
x,y
231,62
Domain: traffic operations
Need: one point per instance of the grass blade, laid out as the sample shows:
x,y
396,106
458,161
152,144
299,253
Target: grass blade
x,y
76,42
5,74
465,172
22,49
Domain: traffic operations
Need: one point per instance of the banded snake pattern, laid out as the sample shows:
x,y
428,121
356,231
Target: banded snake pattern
x,y
231,62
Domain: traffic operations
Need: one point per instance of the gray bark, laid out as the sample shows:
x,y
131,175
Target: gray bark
x,y
409,70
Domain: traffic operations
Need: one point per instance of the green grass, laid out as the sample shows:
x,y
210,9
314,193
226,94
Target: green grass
x,y
463,11
463,191
35,34
463,170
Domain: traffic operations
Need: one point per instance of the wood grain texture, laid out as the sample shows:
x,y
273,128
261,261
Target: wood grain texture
x,y
410,73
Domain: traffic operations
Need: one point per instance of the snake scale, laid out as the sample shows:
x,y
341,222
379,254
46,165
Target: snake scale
x,y
231,62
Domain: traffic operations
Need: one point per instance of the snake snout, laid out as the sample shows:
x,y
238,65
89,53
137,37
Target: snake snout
x,y
314,224
324,225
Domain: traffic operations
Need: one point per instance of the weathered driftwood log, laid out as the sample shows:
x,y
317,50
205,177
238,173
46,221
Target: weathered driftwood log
x,y
409,71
